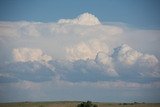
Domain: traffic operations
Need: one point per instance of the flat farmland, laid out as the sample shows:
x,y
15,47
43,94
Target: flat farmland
x,y
75,103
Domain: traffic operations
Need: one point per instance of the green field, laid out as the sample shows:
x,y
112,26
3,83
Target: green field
x,y
74,104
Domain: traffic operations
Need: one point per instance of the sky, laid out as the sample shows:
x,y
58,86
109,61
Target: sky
x,y
139,13
80,50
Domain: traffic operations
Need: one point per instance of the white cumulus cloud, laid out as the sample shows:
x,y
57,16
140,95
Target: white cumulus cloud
x,y
86,50
28,54
129,56
106,62
83,19
126,55
148,60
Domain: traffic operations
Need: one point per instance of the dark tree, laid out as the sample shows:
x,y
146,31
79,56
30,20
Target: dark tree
x,y
87,104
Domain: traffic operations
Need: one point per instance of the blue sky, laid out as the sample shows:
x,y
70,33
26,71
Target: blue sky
x,y
139,13
80,50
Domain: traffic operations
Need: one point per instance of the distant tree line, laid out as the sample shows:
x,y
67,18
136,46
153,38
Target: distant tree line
x,y
134,103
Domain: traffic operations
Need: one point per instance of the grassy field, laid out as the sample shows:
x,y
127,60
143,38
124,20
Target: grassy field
x,y
73,104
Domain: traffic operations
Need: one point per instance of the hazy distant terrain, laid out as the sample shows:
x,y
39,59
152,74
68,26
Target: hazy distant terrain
x,y
74,104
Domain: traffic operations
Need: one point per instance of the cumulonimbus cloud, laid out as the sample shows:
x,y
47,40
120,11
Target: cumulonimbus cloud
x,y
42,59
84,50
